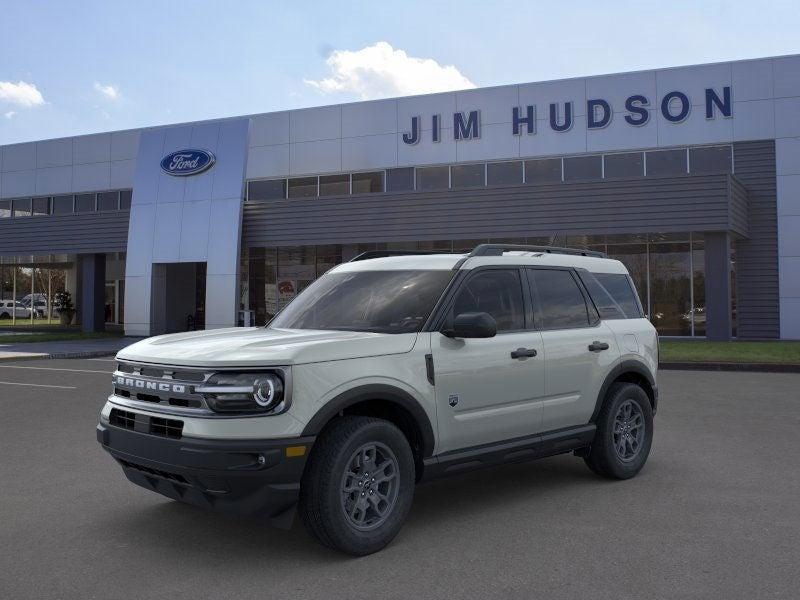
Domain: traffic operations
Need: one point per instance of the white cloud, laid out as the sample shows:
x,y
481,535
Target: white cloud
x,y
380,71
109,91
10,114
20,93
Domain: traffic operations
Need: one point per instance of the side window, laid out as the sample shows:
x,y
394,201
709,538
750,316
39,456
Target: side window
x,y
560,300
606,305
494,291
621,289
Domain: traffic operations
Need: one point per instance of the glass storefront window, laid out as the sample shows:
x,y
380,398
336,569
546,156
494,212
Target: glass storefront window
x,y
734,310
111,302
468,175
433,178
334,185
255,283
629,164
271,189
367,183
402,246
461,246
627,238
121,304
699,284
553,240
445,246
711,159
22,207
84,203
296,271
303,187
41,206
547,170
634,257
670,288
662,163
36,284
108,201
668,270
508,240
328,257
125,199
400,180
582,168
504,173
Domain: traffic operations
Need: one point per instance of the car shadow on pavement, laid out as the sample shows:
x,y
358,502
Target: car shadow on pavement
x,y
170,526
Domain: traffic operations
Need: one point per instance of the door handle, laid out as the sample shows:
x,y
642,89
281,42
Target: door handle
x,y
523,353
596,346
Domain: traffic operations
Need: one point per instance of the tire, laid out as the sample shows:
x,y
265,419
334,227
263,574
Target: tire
x,y
624,433
331,505
5,315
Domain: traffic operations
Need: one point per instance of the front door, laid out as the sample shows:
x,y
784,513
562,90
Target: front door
x,y
483,394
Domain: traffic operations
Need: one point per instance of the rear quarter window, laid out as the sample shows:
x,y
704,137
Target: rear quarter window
x,y
613,294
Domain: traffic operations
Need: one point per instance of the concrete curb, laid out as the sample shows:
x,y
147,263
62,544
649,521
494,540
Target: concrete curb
x,y
58,355
725,366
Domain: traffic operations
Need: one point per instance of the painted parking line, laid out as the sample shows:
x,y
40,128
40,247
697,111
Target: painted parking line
x,y
61,387
55,369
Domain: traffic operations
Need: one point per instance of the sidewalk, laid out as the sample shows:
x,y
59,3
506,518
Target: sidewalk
x,y
66,349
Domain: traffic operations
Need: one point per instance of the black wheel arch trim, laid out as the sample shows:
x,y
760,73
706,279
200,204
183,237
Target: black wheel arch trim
x,y
384,392
626,366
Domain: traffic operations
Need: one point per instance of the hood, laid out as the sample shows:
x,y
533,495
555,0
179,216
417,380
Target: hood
x,y
257,346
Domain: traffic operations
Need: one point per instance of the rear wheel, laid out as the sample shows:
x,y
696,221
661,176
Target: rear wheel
x,y
358,486
624,433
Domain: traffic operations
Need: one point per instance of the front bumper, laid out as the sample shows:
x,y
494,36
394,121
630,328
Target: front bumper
x,y
247,477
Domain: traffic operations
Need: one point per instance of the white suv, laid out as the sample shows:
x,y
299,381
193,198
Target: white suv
x,y
10,309
386,371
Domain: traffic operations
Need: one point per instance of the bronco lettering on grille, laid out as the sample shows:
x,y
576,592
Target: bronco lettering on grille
x,y
143,384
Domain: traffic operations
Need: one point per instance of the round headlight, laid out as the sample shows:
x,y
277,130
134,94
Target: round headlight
x,y
268,391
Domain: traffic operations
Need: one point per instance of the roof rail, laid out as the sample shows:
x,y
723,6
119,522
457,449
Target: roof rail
x,y
385,253
499,249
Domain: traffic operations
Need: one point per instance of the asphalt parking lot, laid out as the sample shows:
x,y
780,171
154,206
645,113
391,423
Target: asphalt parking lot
x,y
714,514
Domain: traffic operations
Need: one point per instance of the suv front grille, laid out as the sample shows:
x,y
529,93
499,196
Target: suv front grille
x,y
169,428
160,385
122,418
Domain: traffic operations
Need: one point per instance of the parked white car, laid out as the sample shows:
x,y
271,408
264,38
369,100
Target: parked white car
x,y
40,305
386,371
11,308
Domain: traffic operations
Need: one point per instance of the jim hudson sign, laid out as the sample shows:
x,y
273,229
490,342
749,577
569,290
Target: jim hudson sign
x,y
674,106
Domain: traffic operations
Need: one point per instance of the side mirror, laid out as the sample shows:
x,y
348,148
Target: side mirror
x,y
472,325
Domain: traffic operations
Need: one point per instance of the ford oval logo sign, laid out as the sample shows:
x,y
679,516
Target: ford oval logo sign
x,y
187,162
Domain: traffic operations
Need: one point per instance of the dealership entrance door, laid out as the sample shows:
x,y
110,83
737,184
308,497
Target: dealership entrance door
x,y
178,297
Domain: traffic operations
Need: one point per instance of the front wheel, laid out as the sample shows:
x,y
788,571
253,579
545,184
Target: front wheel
x,y
624,433
358,486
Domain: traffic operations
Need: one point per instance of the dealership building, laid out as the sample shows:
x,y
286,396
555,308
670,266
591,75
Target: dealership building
x,y
690,176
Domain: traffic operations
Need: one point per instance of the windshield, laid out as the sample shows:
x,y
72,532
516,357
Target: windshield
x,y
378,301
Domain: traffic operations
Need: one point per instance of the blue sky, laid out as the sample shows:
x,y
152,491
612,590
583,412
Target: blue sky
x,y
69,68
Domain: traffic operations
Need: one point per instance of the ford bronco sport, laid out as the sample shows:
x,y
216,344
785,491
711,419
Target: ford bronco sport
x,y
386,371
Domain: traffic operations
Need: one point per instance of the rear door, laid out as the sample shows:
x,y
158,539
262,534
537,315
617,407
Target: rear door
x,y
579,348
489,389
